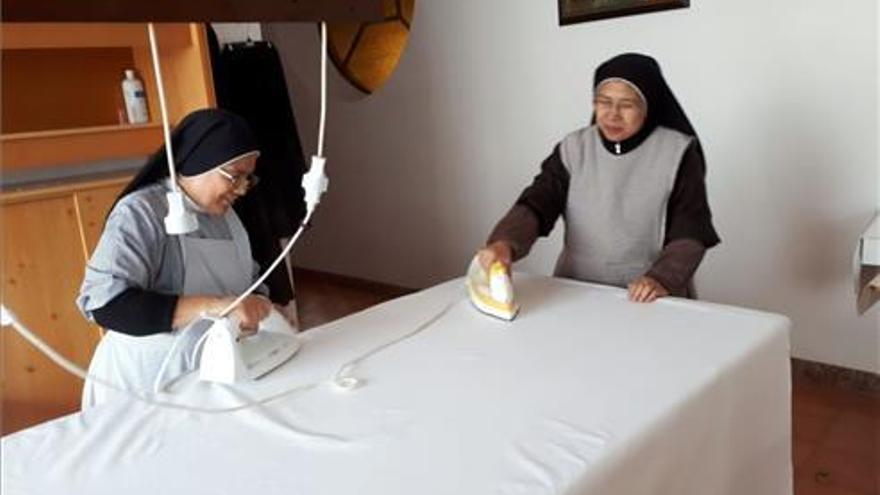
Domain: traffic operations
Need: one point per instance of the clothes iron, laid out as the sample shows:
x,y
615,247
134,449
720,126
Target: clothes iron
x,y
492,292
228,356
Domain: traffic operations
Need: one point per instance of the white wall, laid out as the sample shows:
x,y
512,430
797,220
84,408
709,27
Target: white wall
x,y
237,32
783,93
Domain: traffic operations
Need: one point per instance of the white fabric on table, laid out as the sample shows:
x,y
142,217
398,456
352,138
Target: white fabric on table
x,y
584,393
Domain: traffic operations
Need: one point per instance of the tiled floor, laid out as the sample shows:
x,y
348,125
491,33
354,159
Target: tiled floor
x,y
321,297
836,447
836,440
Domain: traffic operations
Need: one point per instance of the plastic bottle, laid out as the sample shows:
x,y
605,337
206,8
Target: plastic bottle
x,y
135,99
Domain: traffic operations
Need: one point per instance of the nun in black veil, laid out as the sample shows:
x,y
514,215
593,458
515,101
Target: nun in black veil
x,y
630,188
147,288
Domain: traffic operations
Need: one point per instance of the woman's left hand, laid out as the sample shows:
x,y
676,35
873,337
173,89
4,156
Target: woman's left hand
x,y
646,289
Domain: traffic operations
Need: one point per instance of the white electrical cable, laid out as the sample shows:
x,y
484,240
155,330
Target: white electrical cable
x,y
343,378
314,182
166,127
10,319
323,89
274,264
179,221
158,383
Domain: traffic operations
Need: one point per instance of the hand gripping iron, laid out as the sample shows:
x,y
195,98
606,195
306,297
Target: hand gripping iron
x,y
228,357
492,292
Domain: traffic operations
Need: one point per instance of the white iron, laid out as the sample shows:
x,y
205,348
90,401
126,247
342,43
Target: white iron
x,y
492,292
228,357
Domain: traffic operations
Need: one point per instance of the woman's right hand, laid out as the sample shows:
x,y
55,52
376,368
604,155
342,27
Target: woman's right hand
x,y
251,311
497,251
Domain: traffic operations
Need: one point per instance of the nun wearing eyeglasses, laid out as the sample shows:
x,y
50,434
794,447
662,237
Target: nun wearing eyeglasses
x,y
630,188
147,288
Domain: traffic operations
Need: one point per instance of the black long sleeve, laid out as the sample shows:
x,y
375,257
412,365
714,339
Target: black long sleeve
x,y
675,266
138,312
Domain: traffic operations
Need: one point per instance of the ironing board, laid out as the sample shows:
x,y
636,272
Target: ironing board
x,y
584,393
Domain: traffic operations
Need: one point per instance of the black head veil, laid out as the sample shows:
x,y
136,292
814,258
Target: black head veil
x,y
201,141
644,73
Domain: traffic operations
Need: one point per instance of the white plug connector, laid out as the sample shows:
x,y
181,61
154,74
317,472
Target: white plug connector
x,y
315,183
6,316
179,220
344,380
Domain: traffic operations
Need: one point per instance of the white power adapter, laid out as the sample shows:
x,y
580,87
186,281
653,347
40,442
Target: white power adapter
x,y
179,220
6,317
315,182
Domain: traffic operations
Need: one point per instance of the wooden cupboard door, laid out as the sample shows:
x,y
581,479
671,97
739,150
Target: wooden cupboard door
x,y
42,262
94,205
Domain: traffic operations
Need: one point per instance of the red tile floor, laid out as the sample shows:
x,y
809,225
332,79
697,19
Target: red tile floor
x,y
836,444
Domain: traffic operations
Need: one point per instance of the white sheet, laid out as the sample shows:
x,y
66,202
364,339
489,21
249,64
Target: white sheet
x,y
584,393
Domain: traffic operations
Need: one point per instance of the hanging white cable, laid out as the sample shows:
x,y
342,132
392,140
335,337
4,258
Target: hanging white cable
x,y
314,181
179,220
274,264
160,86
323,89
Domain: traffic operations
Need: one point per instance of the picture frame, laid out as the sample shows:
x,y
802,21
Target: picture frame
x,y
574,11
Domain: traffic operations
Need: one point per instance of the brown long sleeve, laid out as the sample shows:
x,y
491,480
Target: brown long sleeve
x,y
687,214
519,228
537,209
676,265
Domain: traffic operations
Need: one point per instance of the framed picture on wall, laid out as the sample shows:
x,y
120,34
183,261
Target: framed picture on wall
x,y
572,11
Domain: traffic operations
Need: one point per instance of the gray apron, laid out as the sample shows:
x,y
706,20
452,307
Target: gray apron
x,y
615,218
213,267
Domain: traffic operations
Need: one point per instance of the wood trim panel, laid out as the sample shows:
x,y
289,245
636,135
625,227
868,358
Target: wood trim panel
x,y
191,10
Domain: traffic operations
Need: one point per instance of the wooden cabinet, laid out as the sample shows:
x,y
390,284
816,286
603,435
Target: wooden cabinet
x,y
47,237
61,105
93,204
61,97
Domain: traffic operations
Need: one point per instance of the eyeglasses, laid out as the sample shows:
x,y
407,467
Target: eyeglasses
x,y
243,182
624,105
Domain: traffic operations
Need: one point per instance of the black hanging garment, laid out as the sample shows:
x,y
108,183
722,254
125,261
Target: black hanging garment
x,y
249,80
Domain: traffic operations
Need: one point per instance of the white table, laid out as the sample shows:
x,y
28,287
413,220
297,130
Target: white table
x,y
584,393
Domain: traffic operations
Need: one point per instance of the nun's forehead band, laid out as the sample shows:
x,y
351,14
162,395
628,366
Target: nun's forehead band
x,y
628,83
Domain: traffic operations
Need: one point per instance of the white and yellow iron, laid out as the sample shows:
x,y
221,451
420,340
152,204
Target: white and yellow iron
x,y
492,292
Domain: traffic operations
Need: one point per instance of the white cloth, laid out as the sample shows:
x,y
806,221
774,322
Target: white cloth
x,y
214,267
584,393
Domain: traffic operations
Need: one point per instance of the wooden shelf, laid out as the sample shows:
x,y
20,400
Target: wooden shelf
x,y
27,35
34,150
78,131
62,96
